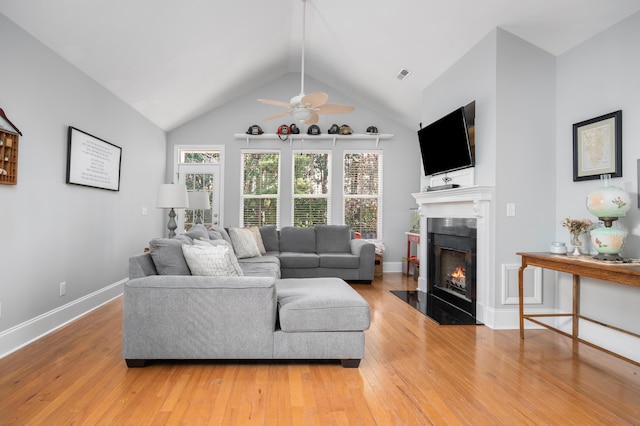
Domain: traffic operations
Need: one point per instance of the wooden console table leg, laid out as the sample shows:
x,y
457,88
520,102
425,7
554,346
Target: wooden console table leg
x,y
576,306
521,297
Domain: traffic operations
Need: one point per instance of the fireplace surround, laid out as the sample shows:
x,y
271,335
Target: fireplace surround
x,y
451,265
470,202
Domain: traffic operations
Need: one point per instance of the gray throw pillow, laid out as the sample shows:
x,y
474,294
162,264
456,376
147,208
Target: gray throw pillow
x,y
198,232
217,232
270,238
167,256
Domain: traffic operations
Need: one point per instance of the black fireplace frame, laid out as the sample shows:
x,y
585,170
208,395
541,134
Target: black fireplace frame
x,y
460,235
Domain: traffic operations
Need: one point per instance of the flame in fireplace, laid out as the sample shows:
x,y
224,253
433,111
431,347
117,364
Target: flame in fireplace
x,y
458,273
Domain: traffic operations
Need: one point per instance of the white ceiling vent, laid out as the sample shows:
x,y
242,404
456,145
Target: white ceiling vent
x,y
404,73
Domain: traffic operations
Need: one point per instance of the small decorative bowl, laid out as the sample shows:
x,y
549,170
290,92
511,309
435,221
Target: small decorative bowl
x,y
558,248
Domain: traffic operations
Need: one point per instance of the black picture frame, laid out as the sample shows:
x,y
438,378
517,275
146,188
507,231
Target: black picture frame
x,y
597,147
92,162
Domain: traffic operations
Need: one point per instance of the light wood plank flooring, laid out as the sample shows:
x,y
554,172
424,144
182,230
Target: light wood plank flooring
x,y
414,372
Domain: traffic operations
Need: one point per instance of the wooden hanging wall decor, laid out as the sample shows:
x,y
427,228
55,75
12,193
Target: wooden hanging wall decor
x,y
9,135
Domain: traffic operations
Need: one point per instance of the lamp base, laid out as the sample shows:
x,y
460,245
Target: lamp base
x,y
609,257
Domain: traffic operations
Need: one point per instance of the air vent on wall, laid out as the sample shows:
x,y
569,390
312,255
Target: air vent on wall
x,y
404,73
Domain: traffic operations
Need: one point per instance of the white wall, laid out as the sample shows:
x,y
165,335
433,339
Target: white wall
x,y
595,78
52,232
400,154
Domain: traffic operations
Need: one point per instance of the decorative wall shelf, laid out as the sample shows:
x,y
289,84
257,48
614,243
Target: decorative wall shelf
x,y
9,135
305,137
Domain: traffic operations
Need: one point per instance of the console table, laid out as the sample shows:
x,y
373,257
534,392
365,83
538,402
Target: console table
x,y
585,266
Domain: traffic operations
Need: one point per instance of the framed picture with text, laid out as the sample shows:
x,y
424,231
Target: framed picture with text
x,y
93,162
597,147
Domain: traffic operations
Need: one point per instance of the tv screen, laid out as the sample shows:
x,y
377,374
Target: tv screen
x,y
445,144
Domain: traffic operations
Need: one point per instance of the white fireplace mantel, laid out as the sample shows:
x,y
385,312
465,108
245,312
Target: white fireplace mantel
x,y
465,202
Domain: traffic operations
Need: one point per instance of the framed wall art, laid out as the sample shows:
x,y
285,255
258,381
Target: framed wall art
x,y
93,162
597,147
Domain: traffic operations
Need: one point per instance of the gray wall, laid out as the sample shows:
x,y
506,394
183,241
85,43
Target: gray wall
x,y
53,232
526,103
595,78
400,154
513,84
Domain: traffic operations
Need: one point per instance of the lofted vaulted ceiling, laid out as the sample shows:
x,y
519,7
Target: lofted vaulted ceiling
x,y
174,60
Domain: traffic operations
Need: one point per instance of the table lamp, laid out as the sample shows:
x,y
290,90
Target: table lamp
x,y
608,203
199,200
172,196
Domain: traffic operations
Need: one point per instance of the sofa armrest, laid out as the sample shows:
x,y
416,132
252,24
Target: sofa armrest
x,y
196,317
141,265
367,252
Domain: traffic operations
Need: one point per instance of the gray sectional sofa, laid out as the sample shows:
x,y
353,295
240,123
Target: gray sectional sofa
x,y
289,302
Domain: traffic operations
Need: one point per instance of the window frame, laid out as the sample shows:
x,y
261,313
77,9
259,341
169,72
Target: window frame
x,y
277,196
379,197
328,196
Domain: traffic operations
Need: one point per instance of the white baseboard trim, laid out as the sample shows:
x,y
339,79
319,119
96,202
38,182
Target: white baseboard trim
x,y
29,331
509,319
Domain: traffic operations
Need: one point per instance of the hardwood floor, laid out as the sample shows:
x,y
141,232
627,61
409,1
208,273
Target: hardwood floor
x,y
414,372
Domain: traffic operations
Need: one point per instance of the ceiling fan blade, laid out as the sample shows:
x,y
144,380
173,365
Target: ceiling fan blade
x,y
315,99
276,103
280,114
313,119
334,109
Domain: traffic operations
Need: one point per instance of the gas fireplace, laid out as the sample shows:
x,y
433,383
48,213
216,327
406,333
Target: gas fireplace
x,y
451,275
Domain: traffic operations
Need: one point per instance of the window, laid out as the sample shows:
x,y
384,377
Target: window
x,y
260,188
311,189
199,156
362,193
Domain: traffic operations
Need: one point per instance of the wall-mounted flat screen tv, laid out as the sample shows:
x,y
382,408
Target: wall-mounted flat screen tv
x,y
445,144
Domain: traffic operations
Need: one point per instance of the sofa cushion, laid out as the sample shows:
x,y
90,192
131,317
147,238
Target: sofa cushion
x,y
333,239
244,243
299,260
231,255
339,260
198,232
320,304
206,259
297,239
217,232
167,255
270,238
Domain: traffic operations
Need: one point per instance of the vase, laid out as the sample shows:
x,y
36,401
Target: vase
x,y
576,243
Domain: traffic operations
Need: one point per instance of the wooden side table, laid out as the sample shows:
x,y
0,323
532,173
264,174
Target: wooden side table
x,y
578,266
412,237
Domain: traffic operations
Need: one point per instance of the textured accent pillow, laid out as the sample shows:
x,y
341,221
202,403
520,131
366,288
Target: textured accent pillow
x,y
256,234
244,243
221,242
167,256
208,260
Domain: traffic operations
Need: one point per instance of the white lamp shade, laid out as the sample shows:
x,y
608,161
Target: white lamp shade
x,y
172,195
199,200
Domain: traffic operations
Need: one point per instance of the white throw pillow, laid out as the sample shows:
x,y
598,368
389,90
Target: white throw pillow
x,y
232,257
258,237
208,260
244,243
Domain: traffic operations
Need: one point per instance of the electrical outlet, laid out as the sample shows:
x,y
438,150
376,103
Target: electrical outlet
x,y
145,211
511,209
63,288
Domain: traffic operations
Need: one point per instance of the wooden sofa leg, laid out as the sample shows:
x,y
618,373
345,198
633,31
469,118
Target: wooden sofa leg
x,y
350,363
136,363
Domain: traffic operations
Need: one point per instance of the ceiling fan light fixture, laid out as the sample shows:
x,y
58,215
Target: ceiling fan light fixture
x,y
301,114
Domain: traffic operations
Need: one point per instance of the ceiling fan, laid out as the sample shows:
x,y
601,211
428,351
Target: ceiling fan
x,y
306,108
